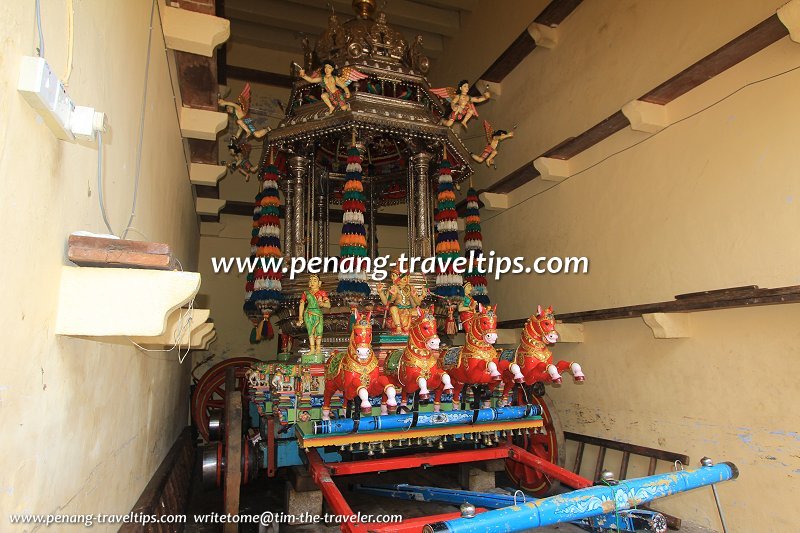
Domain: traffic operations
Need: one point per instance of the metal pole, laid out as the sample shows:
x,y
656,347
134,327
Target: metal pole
x,y
288,218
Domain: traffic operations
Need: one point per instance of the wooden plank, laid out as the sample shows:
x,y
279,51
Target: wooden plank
x,y
735,51
744,290
165,487
233,448
510,58
119,253
556,11
259,76
600,131
780,295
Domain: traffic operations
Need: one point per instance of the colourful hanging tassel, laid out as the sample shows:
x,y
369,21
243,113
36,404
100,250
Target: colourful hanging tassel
x,y
448,283
353,242
473,248
263,290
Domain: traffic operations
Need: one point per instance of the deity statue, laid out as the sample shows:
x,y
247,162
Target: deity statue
x,y
467,307
311,304
333,84
493,138
401,299
462,105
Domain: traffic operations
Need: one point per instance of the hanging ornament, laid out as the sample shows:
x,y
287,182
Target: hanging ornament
x,y
263,286
473,248
448,283
353,242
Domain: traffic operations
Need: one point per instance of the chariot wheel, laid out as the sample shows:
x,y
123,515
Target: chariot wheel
x,y
548,445
209,393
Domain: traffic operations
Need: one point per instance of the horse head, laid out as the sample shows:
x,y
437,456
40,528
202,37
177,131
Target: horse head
x,y
361,336
484,326
542,325
422,332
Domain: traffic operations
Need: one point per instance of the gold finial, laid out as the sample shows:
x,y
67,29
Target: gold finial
x,y
354,137
364,8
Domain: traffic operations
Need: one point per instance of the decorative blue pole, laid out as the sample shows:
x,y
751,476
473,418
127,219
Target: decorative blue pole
x,y
443,418
588,502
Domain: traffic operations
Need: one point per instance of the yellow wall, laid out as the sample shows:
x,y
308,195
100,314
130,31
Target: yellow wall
x,y
85,423
711,202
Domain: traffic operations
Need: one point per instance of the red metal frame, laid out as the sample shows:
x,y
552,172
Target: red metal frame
x,y
322,473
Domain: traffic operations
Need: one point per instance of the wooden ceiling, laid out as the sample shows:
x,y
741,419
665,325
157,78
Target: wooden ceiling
x,y
281,24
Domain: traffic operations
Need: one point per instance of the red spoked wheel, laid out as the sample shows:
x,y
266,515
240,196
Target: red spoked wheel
x,y
209,393
548,445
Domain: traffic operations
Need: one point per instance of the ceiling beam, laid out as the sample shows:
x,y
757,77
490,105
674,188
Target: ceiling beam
x,y
461,5
259,76
286,37
401,13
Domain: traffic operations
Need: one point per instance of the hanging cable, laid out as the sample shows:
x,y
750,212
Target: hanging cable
x,y
141,123
40,50
70,40
100,182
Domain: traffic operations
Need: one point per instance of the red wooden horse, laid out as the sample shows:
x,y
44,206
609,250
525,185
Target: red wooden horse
x,y
477,359
355,372
417,369
533,358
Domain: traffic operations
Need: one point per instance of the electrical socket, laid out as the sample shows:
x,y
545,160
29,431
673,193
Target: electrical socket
x,y
47,95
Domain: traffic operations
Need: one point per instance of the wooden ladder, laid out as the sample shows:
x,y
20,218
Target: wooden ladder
x,y
627,450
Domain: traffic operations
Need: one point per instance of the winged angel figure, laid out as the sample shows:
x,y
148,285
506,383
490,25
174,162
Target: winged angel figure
x,y
462,105
334,83
493,138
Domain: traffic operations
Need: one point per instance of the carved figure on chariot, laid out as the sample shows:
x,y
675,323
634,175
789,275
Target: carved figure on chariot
x,y
400,301
355,372
333,83
312,302
531,363
417,368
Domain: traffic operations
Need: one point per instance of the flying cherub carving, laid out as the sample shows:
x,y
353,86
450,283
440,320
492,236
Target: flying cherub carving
x,y
462,105
334,83
241,110
493,138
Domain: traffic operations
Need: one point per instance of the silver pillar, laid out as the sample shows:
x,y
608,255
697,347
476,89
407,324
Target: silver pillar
x,y
320,222
298,167
288,219
423,241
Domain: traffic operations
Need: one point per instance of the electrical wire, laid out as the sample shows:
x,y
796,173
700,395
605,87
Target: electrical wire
x,y
100,182
40,51
692,115
70,40
141,123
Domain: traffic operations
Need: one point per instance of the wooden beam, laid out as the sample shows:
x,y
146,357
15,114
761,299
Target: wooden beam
x,y
510,58
119,253
259,76
556,11
201,151
207,191
736,51
600,131
197,79
516,179
713,300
